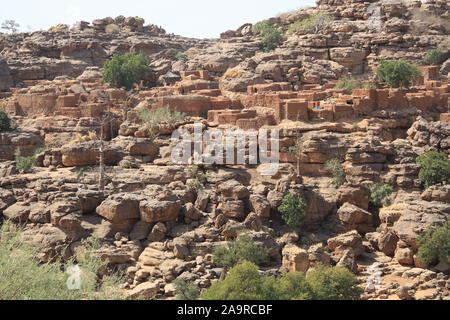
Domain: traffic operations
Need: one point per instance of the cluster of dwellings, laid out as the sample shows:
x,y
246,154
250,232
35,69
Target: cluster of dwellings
x,y
71,98
198,94
269,104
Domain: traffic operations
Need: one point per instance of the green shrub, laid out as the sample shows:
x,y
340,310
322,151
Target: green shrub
x,y
397,73
323,283
294,286
24,277
334,167
379,195
259,27
333,283
186,290
314,23
161,115
126,70
242,283
271,37
177,54
434,57
434,168
435,245
24,164
5,122
292,210
351,84
238,250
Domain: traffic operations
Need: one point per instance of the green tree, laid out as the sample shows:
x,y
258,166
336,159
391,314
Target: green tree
x,y
186,290
379,194
434,168
435,245
24,277
434,57
126,70
5,122
271,37
10,25
238,250
333,283
334,167
292,210
397,73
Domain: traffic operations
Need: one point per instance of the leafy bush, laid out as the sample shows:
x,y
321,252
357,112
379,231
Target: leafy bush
x,y
314,23
333,283
396,73
126,70
292,210
334,167
238,250
5,122
434,168
24,164
435,245
161,115
242,283
186,290
24,277
434,57
323,283
177,54
271,37
379,194
352,84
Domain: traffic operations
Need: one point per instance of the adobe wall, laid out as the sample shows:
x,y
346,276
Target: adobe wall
x,y
192,105
69,98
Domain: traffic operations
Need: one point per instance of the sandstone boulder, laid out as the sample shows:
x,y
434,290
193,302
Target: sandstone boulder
x,y
234,209
295,258
233,189
355,218
119,207
147,290
260,206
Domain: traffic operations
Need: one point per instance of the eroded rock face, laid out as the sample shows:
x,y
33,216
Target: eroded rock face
x,y
416,218
87,153
5,78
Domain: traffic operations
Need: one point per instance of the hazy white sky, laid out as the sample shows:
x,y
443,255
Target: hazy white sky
x,y
192,18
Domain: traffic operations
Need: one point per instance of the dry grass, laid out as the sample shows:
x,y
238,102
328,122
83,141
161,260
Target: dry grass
x,y
392,213
233,73
80,138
